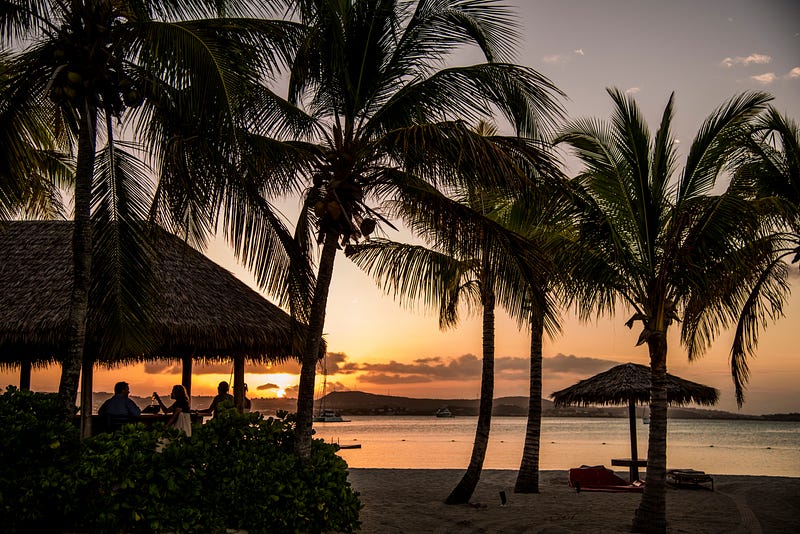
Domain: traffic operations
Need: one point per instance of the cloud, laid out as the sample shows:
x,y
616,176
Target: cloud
x,y
792,74
765,79
555,59
469,367
576,365
752,59
561,59
166,367
267,387
633,90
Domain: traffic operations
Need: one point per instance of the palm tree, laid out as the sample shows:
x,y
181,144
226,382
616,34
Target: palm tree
x,y
449,276
545,218
97,62
671,249
387,115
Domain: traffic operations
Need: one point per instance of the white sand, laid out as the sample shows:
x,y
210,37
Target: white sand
x,y
411,501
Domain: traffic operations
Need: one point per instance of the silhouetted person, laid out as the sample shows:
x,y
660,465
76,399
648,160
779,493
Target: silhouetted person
x,y
119,409
222,396
179,409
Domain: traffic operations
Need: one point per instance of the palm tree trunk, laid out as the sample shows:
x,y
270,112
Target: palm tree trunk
x,y
87,374
186,374
463,491
238,382
528,475
81,260
25,375
311,350
651,516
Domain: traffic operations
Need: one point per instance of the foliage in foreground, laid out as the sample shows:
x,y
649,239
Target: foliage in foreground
x,y
236,471
39,452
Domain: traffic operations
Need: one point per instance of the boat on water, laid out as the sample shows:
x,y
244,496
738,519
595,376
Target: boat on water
x,y
444,413
329,416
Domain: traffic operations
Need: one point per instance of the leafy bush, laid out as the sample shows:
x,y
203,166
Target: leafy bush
x,y
236,471
255,482
126,486
38,453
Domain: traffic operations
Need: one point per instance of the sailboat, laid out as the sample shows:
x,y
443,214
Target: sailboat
x,y
326,415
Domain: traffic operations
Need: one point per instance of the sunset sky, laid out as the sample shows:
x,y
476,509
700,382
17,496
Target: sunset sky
x,y
705,51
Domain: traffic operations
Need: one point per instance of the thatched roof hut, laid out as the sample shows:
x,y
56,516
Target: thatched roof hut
x,y
629,384
631,381
204,311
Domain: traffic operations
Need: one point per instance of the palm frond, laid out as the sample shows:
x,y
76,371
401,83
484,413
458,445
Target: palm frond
x,y
525,97
413,273
715,142
122,284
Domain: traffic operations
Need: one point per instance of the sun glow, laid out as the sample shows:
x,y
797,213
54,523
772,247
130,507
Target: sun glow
x,y
270,385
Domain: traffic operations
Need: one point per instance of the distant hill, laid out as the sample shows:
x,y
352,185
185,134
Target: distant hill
x,y
361,403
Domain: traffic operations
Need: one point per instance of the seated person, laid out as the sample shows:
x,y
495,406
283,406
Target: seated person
x,y
179,409
119,409
222,396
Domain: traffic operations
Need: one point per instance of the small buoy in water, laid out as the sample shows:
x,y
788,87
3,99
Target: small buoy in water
x,y
604,443
769,447
710,445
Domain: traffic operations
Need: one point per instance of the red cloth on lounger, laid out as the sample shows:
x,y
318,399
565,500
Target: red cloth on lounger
x,y
598,478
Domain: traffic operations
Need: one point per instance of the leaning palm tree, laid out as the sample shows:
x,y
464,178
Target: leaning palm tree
x,y
388,116
671,248
448,276
107,67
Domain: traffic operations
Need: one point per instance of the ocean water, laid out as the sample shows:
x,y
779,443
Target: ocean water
x,y
716,446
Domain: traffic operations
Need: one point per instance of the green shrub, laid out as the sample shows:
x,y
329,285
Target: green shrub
x,y
38,454
255,482
126,486
236,471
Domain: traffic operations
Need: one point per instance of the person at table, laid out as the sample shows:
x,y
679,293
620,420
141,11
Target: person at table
x,y
246,402
119,409
179,409
223,395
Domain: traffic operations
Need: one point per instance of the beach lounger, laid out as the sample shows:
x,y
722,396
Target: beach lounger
x,y
689,477
598,478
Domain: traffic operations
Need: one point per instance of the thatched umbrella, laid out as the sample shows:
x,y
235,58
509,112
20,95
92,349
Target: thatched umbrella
x,y
629,383
204,312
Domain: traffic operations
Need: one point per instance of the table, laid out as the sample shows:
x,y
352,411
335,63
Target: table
x,y
633,465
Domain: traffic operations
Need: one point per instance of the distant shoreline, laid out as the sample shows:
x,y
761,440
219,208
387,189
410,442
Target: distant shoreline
x,y
357,403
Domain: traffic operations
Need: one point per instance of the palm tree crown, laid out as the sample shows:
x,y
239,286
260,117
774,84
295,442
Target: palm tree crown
x,y
369,87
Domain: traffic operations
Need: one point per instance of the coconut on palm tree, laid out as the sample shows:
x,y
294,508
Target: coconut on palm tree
x,y
389,117
671,248
104,67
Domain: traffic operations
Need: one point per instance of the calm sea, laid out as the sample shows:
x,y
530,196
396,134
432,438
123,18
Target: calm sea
x,y
717,446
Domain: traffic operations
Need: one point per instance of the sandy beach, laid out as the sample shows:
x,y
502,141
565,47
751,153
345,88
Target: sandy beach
x,y
410,501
